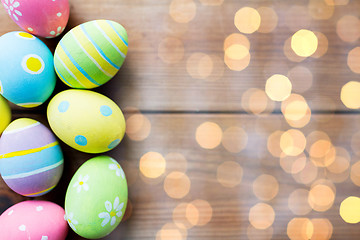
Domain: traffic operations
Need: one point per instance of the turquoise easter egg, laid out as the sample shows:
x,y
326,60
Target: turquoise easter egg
x,y
31,161
91,54
96,198
27,76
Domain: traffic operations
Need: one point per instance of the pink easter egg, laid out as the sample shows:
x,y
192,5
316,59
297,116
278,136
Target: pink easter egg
x,y
34,219
44,18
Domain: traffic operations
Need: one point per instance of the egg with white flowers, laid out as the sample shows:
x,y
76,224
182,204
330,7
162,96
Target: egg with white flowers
x,y
85,120
27,76
33,219
42,18
96,197
31,160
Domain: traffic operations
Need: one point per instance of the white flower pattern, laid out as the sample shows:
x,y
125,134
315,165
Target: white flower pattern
x,y
70,219
112,211
10,6
57,32
116,166
81,183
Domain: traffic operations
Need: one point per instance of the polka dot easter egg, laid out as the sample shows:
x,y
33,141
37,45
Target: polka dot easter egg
x,y
86,120
96,198
31,161
42,18
91,54
5,113
41,220
27,76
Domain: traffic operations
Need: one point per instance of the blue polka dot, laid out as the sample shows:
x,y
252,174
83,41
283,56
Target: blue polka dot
x,y
114,143
63,106
105,110
81,140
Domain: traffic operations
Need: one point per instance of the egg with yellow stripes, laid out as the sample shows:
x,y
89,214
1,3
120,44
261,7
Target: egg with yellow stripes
x,y
91,54
31,160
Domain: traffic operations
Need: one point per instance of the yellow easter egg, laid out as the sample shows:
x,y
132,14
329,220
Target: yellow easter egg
x,y
5,113
86,120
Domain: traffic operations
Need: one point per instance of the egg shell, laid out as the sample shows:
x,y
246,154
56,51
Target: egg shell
x,y
27,76
5,113
86,120
31,160
91,54
34,219
42,18
96,197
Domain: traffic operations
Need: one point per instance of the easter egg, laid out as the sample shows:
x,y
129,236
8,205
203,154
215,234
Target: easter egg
x,y
91,54
34,219
5,113
96,197
27,76
86,120
42,18
31,161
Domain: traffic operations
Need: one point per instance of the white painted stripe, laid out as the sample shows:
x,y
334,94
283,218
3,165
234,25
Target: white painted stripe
x,y
109,40
68,70
20,129
40,170
91,58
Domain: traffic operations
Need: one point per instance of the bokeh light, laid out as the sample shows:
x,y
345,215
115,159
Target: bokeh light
x,y
177,185
234,139
205,212
323,229
321,197
323,45
237,64
180,217
273,143
307,175
199,65
171,50
304,43
289,52
298,202
208,135
278,87
152,165
256,101
293,164
300,229
350,209
355,173
236,38
212,2
182,11
341,162
229,174
138,127
261,216
170,231
353,60
349,95
292,142
247,20
296,111
320,9
265,187
269,19
348,28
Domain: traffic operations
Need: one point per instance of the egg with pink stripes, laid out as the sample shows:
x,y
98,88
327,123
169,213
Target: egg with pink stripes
x,y
40,220
39,17
31,160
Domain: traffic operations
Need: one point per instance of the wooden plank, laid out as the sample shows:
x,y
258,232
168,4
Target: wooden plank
x,y
153,207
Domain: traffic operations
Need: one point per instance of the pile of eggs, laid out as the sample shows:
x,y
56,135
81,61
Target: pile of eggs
x,y
31,159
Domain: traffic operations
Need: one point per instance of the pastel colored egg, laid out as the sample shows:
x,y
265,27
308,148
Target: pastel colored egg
x,y
91,54
5,113
34,219
96,197
42,18
27,76
31,161
86,120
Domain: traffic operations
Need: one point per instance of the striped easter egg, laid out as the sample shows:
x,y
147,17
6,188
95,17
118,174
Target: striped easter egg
x,y
91,54
31,160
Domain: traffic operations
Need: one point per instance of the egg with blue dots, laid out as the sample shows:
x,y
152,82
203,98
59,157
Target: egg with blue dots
x,y
90,54
5,113
86,121
31,160
42,18
27,76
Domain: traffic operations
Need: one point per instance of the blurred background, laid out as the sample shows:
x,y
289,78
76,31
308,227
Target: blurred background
x,y
242,118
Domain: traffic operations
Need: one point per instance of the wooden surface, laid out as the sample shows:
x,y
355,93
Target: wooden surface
x,y
165,105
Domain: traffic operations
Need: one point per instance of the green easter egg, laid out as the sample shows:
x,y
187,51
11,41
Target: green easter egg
x,y
96,198
5,113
